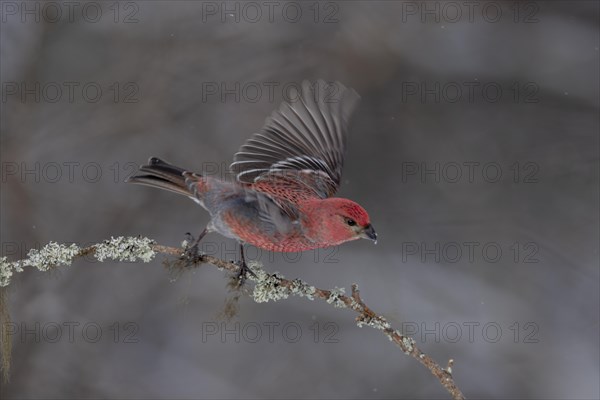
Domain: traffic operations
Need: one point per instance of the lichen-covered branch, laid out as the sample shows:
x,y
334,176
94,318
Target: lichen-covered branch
x,y
267,287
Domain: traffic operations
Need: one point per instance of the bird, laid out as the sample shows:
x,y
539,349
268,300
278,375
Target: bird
x,y
285,177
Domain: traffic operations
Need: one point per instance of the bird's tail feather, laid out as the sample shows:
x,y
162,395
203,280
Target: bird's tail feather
x,y
160,174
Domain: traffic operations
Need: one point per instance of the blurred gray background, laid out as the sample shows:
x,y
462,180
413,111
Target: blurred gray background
x,y
179,80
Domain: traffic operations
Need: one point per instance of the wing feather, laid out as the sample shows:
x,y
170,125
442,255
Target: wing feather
x,y
306,139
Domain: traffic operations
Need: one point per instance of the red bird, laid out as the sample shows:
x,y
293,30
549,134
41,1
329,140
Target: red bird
x,y
286,176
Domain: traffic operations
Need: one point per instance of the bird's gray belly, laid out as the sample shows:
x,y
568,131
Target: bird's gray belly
x,y
253,213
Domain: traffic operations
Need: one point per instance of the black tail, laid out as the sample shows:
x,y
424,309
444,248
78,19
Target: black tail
x,y
160,174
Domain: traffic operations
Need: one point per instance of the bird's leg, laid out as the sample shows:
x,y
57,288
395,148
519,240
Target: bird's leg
x,y
242,274
192,253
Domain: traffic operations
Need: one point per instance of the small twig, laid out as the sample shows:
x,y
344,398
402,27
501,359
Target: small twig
x,y
267,287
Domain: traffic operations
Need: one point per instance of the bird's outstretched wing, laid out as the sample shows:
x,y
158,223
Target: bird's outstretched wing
x,y
302,144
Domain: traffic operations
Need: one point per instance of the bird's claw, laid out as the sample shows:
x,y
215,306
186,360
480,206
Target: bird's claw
x,y
242,275
191,253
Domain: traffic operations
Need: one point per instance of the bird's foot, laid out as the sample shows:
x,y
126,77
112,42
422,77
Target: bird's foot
x,y
191,253
242,275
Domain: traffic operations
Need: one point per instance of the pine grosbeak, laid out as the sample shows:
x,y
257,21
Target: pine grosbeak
x,y
286,176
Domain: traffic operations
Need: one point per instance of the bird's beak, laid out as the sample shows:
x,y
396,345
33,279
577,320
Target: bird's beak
x,y
369,233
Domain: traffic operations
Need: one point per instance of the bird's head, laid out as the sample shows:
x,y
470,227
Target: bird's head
x,y
337,220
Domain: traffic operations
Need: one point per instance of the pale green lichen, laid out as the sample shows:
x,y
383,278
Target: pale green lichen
x,y
355,305
377,323
49,256
382,324
56,255
257,269
126,249
408,344
334,297
303,289
449,367
268,287
6,270
52,255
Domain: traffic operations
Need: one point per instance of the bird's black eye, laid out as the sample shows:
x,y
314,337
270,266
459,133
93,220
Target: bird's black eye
x,y
350,221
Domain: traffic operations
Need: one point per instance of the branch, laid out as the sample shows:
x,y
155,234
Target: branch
x,y
267,287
